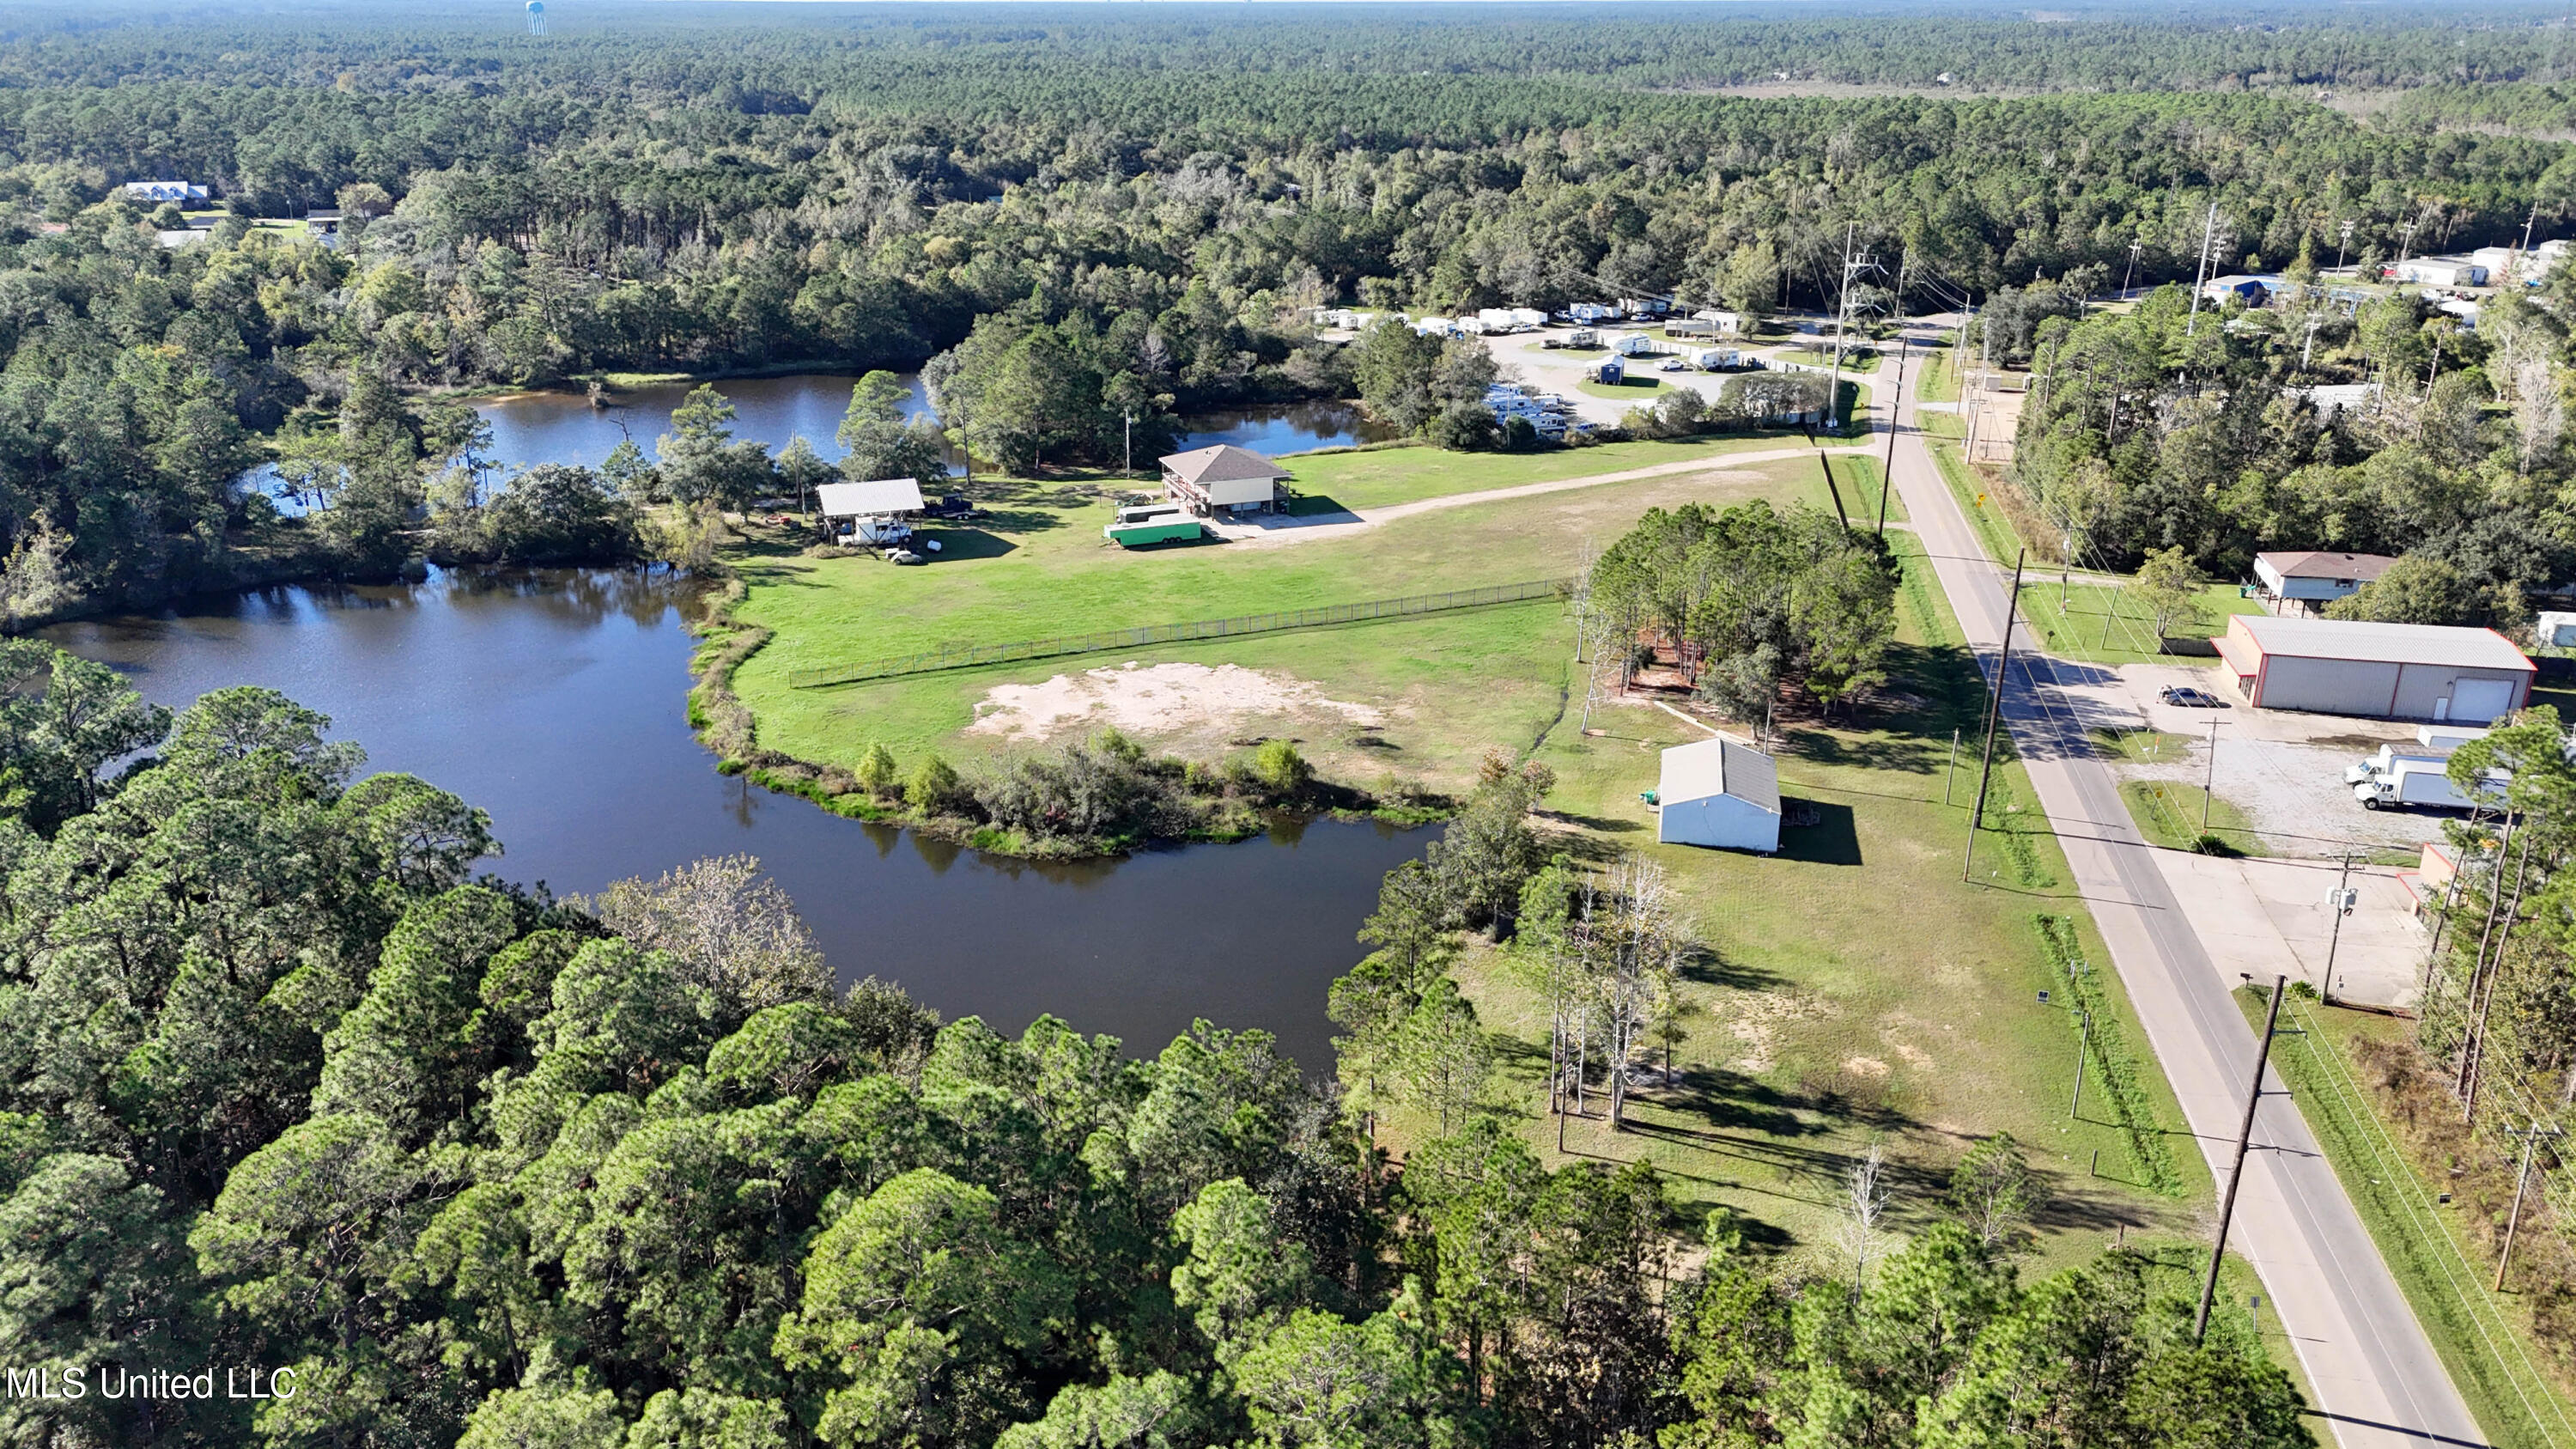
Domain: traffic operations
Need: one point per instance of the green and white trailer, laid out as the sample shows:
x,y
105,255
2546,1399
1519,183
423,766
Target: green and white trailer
x,y
1154,523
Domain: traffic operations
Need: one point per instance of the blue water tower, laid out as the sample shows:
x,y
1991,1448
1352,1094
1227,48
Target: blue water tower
x,y
536,17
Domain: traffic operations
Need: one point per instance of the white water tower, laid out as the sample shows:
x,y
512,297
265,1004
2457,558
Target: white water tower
x,y
536,17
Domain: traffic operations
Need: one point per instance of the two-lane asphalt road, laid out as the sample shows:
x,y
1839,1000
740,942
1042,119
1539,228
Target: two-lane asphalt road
x,y
2376,1377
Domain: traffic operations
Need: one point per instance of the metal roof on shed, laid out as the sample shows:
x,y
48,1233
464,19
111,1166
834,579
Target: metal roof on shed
x,y
2362,642
1704,768
875,496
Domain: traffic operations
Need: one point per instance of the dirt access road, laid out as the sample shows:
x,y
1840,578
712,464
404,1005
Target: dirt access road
x,y
2375,1375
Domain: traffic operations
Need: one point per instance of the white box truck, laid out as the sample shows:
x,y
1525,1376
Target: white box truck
x,y
2447,737
2421,785
2386,760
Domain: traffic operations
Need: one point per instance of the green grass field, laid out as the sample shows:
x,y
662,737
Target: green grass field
x,y
1376,477
1634,387
2168,813
2481,1336
1426,696
1815,1028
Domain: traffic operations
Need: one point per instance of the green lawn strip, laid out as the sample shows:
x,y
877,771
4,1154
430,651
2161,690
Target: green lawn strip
x,y
1985,511
2140,746
1634,387
1444,686
1376,477
2478,1337
2168,813
1817,1030
1939,382
2117,1075
2102,624
1862,481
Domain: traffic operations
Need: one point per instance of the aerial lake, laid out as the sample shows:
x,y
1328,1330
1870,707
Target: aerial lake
x,y
553,699
563,427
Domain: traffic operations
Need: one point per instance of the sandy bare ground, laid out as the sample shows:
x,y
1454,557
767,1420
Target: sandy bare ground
x,y
1277,530
1160,700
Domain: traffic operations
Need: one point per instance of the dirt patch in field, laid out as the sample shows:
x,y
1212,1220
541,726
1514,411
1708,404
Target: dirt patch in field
x,y
1163,699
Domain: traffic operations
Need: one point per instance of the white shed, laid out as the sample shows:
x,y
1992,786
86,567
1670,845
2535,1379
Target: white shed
x,y
875,509
1719,793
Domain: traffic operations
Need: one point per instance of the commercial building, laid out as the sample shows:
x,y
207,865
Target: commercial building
x,y
2440,272
1718,793
2305,582
2378,671
1223,479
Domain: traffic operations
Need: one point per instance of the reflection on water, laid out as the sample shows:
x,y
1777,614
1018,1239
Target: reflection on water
x,y
563,427
554,700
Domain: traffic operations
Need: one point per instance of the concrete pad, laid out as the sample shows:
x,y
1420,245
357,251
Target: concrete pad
x,y
2261,918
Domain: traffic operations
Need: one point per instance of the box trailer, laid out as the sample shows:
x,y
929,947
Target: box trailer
x,y
1155,523
1717,359
2422,785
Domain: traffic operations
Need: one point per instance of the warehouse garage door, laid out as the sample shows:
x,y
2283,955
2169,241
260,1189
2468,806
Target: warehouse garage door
x,y
2476,701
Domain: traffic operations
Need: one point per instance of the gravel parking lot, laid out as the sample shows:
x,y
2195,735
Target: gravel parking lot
x,y
2283,769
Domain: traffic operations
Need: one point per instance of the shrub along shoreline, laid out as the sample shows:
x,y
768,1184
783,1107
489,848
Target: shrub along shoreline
x,y
1097,797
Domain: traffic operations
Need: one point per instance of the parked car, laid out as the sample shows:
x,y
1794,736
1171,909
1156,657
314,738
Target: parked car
x,y
2189,698
905,556
1676,365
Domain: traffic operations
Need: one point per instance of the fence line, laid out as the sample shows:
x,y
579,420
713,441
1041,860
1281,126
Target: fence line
x,y
967,656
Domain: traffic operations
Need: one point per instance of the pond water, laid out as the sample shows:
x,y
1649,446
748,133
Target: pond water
x,y
554,700
542,427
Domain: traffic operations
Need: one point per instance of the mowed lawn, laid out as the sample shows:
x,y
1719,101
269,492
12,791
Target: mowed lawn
x,y
1858,991
1376,477
1442,689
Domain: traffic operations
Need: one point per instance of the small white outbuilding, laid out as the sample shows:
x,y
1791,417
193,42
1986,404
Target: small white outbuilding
x,y
1719,793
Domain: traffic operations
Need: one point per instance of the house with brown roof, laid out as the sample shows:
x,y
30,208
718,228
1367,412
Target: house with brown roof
x,y
1224,479
2307,581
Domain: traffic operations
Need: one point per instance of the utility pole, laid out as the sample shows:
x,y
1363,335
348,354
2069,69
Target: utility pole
x,y
2083,1041
1887,471
2309,349
2531,1136
1842,326
2208,229
2130,275
2340,903
2209,790
1952,772
1127,460
2236,1174
2343,245
1994,717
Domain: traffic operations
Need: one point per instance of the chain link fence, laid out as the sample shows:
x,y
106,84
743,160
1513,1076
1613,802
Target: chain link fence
x,y
968,656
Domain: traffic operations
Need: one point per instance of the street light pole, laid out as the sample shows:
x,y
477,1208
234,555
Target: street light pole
x,y
2236,1174
2083,1040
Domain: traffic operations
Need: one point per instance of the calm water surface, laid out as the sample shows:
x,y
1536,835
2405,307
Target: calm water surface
x,y
553,700
563,427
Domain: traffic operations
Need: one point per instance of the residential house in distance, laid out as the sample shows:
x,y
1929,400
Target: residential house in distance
x,y
156,192
2376,671
323,225
1718,793
1224,479
2305,582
